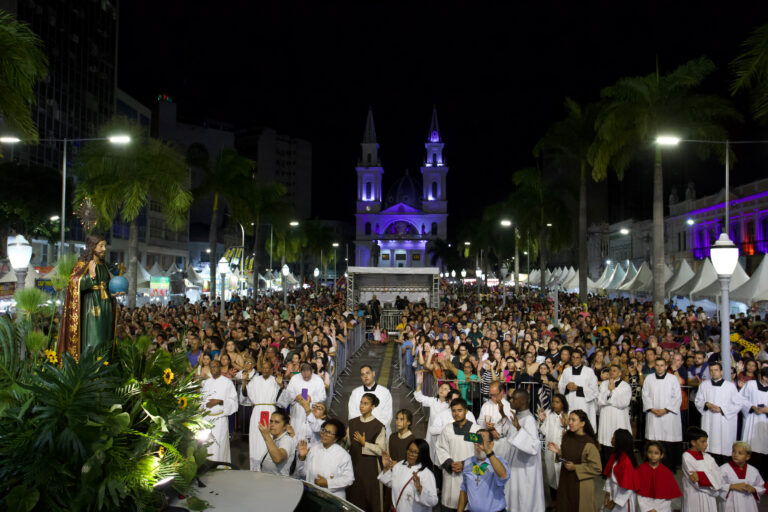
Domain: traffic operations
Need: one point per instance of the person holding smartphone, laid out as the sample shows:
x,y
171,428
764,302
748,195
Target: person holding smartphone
x,y
262,390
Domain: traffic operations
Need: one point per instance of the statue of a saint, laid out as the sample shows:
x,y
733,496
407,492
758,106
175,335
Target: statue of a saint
x,y
375,253
88,318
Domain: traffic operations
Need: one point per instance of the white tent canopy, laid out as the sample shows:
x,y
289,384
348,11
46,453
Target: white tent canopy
x,y
193,276
680,277
643,276
173,269
712,291
572,285
604,277
704,277
756,289
617,278
156,271
631,273
143,277
10,277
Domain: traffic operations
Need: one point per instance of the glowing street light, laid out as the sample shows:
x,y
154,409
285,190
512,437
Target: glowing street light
x,y
506,223
689,222
624,231
293,223
9,140
667,140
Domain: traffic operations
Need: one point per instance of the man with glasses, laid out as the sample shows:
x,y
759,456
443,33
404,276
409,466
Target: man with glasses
x,y
494,412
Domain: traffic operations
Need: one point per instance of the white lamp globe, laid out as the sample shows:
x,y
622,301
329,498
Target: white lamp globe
x,y
222,267
453,273
463,273
724,255
316,272
19,252
286,270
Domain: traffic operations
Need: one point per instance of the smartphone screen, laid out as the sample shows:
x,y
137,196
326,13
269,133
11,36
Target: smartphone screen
x,y
473,437
264,418
304,393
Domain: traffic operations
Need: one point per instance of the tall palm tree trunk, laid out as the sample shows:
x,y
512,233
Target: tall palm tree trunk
x,y
213,260
542,258
133,261
517,262
658,238
583,264
256,254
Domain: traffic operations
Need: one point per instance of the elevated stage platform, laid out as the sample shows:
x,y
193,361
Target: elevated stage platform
x,y
387,283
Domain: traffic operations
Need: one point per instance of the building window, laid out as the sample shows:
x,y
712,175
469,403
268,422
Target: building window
x,y
748,248
736,233
368,192
763,241
367,228
434,229
369,158
416,256
434,190
385,256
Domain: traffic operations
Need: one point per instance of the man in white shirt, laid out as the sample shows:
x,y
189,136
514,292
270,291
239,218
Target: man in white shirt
x,y
494,414
579,385
303,383
661,404
220,401
613,398
719,403
383,412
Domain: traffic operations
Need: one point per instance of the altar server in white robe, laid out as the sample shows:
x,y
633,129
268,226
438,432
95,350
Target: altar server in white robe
x,y
553,422
435,406
327,464
719,403
262,390
579,385
444,418
755,411
383,412
742,482
219,401
661,404
495,413
702,483
413,484
521,449
452,450
613,398
292,394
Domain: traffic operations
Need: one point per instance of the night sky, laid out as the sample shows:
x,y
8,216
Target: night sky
x,y
497,73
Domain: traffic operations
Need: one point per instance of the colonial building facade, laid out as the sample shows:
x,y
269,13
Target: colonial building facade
x,y
395,229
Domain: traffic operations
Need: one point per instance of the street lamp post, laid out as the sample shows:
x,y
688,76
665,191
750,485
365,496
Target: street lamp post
x,y
725,257
286,271
222,267
316,273
463,276
478,276
335,266
504,271
20,252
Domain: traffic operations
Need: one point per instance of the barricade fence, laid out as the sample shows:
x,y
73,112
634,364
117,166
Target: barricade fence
x,y
344,353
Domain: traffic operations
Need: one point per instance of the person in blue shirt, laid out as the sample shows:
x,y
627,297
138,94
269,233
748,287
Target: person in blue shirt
x,y
483,479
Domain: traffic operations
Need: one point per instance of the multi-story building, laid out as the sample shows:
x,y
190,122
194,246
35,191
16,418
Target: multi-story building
x,y
282,159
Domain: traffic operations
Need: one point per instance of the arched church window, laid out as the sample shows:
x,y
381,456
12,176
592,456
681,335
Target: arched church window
x,y
434,159
369,191
434,229
369,158
434,190
423,230
367,228
377,229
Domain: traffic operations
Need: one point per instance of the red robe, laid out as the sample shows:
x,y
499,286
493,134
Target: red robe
x,y
625,473
657,483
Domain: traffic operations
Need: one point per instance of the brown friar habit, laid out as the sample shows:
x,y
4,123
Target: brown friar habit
x,y
577,487
397,452
365,491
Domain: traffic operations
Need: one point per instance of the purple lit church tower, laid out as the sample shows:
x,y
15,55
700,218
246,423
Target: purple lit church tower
x,y
395,230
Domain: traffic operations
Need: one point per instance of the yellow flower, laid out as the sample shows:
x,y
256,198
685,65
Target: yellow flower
x,y
167,375
182,402
161,451
106,363
52,356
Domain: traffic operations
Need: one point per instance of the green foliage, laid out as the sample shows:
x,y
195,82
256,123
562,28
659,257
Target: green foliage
x,y
63,270
23,63
95,434
751,72
29,301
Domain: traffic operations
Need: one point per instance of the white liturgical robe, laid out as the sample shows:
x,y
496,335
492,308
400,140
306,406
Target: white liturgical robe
x,y
624,499
219,389
695,497
522,450
315,390
552,430
662,393
755,424
451,446
721,426
442,420
263,394
737,501
411,500
585,397
614,410
333,463
382,412
435,407
490,409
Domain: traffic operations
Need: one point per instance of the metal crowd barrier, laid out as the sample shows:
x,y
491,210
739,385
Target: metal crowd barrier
x,y
389,319
345,352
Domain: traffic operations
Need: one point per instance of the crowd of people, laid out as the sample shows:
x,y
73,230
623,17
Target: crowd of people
x,y
524,410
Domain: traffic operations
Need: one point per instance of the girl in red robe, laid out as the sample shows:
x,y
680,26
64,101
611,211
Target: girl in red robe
x,y
657,486
620,474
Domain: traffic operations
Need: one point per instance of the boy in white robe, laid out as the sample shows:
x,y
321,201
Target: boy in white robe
x,y
702,483
327,464
521,449
719,403
742,483
219,401
579,385
435,406
293,393
661,404
262,390
383,412
755,411
613,398
452,450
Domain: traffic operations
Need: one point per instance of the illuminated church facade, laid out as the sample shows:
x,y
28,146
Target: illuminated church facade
x,y
396,229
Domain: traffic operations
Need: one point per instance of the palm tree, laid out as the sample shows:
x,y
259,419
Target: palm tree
x,y
637,110
121,180
24,63
751,70
571,139
230,174
255,202
541,207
